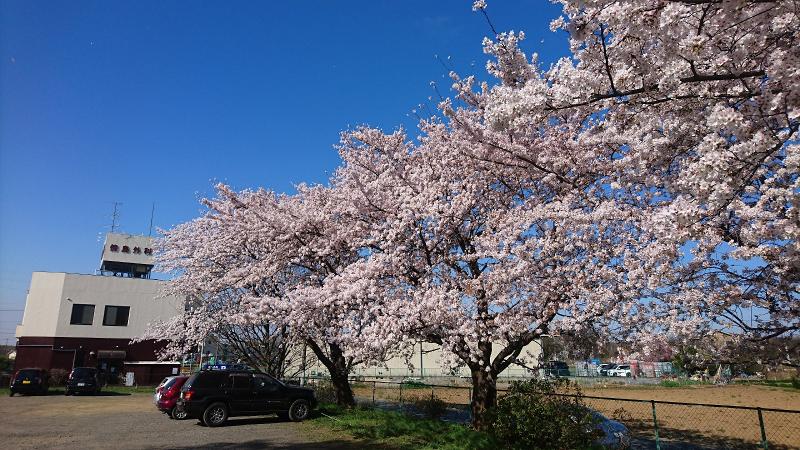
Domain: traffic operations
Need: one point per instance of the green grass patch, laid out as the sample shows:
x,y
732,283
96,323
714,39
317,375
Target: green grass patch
x,y
400,431
681,383
414,384
130,389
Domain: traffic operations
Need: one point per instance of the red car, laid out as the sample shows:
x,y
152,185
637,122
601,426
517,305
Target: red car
x,y
167,395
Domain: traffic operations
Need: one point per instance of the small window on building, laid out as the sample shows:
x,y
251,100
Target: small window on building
x,y
114,248
137,250
116,316
148,251
126,249
81,314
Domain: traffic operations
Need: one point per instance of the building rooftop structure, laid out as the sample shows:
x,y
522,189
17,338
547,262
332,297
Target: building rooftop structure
x,y
127,255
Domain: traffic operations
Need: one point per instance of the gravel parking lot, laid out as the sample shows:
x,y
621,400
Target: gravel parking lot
x,y
128,421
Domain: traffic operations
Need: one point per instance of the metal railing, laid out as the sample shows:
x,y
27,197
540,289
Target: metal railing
x,y
653,424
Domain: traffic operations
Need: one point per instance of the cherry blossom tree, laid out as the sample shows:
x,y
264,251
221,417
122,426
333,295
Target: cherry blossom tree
x,y
282,257
481,258
218,319
695,107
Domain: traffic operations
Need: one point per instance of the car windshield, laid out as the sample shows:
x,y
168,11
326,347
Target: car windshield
x,y
170,383
27,373
82,372
624,367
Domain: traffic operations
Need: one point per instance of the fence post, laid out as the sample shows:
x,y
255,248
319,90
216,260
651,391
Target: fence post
x,y
764,443
374,383
431,395
655,424
401,392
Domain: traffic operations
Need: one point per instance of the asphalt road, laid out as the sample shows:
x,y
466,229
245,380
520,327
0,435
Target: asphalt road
x,y
117,421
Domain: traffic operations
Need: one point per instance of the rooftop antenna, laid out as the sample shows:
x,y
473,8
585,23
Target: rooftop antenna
x,y
115,216
152,212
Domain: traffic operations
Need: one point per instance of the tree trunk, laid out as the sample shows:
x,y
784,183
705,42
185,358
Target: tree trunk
x,y
484,397
344,394
336,363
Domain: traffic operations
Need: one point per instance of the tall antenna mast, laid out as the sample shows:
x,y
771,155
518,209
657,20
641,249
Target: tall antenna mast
x,y
152,212
115,216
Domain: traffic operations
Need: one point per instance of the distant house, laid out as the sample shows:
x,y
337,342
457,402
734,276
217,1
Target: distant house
x,y
73,320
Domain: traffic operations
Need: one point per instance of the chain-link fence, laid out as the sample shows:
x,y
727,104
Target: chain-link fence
x,y
653,424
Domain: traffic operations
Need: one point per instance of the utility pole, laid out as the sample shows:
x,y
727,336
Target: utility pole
x,y
420,361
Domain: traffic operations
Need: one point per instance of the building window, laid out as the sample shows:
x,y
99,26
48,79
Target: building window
x,y
116,316
148,251
137,250
114,248
126,249
81,314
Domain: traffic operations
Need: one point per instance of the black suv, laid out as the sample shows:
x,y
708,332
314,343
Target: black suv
x,y
30,381
214,395
83,379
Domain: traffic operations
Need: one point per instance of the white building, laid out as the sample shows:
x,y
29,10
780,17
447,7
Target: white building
x,y
75,320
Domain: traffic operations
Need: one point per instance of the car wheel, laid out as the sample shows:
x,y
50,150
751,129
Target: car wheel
x,y
300,410
67,392
178,415
11,393
215,415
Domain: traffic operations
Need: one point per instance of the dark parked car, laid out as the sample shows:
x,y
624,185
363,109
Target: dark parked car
x,y
214,395
83,379
167,397
30,381
554,369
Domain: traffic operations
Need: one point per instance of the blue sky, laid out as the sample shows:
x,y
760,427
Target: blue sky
x,y
152,101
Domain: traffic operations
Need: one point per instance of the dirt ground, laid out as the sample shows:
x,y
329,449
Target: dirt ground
x,y
737,395
131,421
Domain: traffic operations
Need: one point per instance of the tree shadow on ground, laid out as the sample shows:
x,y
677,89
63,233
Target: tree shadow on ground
x,y
251,420
264,444
676,439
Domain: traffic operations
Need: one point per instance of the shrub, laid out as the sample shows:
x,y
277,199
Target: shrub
x,y
432,406
796,382
413,384
324,392
58,377
531,416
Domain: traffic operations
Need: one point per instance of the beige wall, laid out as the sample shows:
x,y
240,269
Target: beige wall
x,y
41,305
49,305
